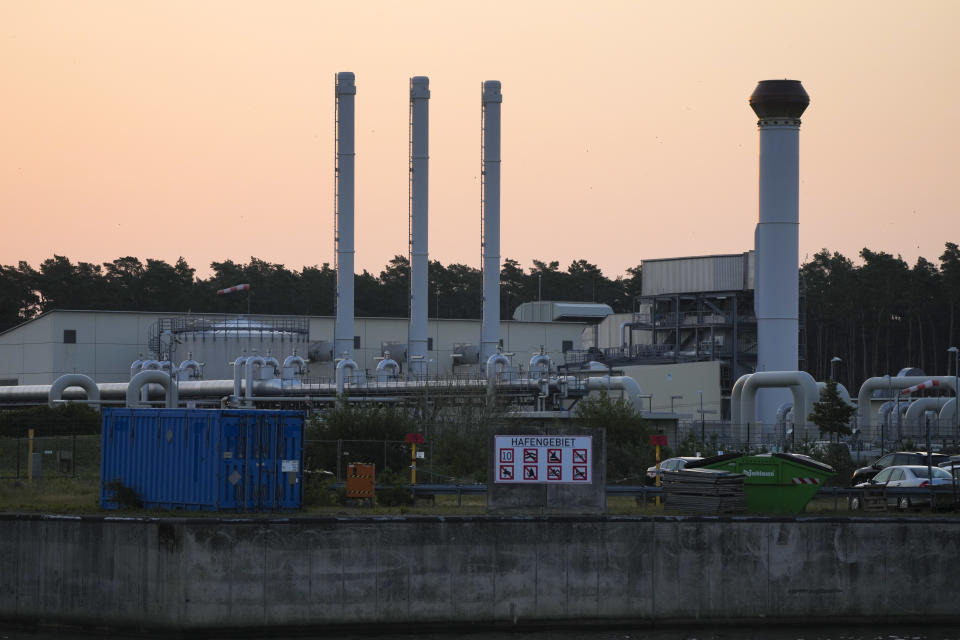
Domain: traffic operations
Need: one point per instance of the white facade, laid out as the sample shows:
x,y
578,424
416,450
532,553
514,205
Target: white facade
x,y
106,342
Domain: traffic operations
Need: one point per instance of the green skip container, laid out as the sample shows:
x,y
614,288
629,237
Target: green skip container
x,y
773,482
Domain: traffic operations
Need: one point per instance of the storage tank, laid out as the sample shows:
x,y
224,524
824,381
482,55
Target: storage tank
x,y
217,341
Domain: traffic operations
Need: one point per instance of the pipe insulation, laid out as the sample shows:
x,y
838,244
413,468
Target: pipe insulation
x,y
491,99
62,383
346,91
890,383
419,228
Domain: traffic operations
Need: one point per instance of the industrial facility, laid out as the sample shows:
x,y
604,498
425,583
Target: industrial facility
x,y
711,337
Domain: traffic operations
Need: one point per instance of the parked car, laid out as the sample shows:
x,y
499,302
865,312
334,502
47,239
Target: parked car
x,y
896,458
670,464
902,476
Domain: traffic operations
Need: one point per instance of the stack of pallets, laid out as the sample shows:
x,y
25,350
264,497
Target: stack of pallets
x,y
705,491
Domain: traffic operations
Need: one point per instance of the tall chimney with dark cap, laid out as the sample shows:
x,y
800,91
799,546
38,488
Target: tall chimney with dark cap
x,y
778,105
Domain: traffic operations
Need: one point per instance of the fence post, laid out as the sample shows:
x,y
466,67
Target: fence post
x,y
30,456
73,460
18,457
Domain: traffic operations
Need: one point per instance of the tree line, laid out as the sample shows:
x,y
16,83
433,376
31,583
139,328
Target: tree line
x,y
881,315
127,284
876,316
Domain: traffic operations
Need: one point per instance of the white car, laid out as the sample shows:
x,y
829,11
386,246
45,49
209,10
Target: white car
x,y
670,464
902,476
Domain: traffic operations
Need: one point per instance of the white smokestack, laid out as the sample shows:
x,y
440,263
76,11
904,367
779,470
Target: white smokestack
x,y
778,105
346,91
419,255
490,242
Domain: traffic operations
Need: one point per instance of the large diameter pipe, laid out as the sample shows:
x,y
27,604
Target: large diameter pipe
x,y
146,377
870,385
802,387
490,242
419,254
344,236
74,380
778,104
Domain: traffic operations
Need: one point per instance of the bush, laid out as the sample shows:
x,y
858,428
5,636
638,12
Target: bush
x,y
125,497
394,494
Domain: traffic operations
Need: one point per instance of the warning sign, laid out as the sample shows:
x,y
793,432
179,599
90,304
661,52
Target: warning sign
x,y
544,459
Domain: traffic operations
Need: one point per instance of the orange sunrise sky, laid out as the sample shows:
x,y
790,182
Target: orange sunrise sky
x,y
206,129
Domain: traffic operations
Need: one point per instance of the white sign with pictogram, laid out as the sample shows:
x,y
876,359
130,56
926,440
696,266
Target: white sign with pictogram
x,y
544,459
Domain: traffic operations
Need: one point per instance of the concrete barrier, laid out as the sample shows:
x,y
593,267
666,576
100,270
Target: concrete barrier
x,y
195,574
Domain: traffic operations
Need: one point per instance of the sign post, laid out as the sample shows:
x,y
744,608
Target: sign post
x,y
658,441
414,439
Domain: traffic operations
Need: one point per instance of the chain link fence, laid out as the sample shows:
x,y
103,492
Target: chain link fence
x,y
50,457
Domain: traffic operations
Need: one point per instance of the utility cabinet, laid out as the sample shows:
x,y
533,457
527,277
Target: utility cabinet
x,y
203,459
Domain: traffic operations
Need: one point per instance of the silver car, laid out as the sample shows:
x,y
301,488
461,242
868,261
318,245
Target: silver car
x,y
670,464
902,476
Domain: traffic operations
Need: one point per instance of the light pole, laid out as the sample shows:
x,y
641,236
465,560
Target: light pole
x,y
703,424
956,388
834,361
890,396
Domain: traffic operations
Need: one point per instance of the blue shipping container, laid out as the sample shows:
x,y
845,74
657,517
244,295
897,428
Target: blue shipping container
x,y
203,459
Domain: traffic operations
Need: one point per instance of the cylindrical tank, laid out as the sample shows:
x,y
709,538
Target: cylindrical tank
x,y
217,341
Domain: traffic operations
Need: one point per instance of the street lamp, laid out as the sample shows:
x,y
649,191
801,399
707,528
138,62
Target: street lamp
x,y
956,388
834,361
890,396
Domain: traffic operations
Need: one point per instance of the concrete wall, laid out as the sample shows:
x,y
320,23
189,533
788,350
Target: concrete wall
x,y
150,573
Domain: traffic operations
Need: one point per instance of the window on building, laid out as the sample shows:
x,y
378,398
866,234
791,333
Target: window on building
x,y
567,346
69,336
356,342
429,344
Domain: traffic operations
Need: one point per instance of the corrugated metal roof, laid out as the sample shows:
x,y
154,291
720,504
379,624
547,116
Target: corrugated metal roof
x,y
698,274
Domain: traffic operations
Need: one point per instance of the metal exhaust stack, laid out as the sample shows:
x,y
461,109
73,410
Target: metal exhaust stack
x,y
344,215
419,254
490,223
778,105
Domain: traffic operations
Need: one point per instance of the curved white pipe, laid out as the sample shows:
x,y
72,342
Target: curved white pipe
x,y
74,380
542,361
237,373
152,376
918,407
493,361
782,411
383,365
341,373
624,383
190,365
248,366
136,365
893,382
949,412
270,361
294,359
736,394
801,384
